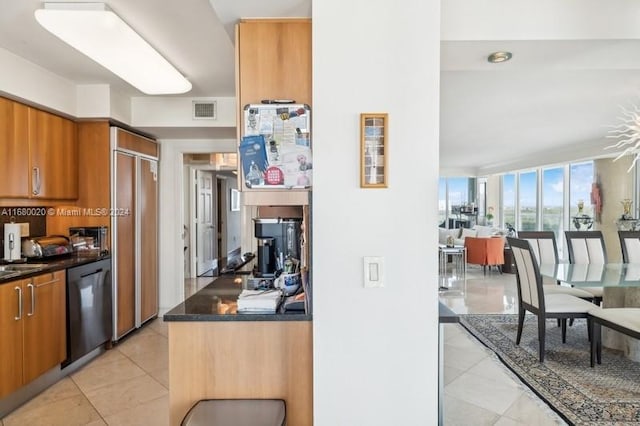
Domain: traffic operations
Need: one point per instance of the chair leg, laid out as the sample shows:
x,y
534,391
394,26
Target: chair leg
x,y
598,343
520,324
563,321
541,333
596,348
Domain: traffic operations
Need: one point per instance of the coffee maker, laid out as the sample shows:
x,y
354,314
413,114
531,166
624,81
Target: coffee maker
x,y
278,239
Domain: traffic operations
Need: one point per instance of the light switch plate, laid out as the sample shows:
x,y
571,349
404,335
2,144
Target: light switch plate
x,y
373,271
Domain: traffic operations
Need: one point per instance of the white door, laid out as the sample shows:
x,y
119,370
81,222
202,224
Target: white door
x,y
206,238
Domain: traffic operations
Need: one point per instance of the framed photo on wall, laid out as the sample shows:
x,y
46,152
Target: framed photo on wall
x,y
373,150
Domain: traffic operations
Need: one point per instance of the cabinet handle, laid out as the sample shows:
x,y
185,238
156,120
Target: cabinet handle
x,y
36,180
33,299
19,317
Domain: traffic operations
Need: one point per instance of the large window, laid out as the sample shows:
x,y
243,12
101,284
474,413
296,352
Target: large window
x,y
564,194
453,194
509,200
442,201
528,197
580,180
552,202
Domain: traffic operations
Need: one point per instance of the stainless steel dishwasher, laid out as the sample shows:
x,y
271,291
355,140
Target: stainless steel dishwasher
x,y
89,312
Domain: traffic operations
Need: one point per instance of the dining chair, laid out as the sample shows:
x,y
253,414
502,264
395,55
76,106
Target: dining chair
x,y
630,245
532,298
545,249
587,247
623,320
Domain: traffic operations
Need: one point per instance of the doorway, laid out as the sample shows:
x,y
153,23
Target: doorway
x,y
211,228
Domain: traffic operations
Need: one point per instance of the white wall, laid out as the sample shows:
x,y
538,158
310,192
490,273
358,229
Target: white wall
x,y
375,350
23,80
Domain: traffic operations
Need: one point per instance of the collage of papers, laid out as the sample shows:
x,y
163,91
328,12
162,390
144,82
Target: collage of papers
x,y
276,149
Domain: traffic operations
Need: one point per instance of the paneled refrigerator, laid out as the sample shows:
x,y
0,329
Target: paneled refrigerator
x,y
134,221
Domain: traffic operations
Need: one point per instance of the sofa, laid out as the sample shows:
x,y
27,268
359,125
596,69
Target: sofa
x,y
459,234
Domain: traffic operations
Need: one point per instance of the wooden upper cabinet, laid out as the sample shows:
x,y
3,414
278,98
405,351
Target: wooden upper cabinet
x,y
274,60
53,144
14,150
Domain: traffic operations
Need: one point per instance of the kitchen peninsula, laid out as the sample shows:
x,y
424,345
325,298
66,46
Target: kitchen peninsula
x,y
217,353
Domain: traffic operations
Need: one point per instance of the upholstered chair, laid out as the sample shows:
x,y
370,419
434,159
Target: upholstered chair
x,y
623,320
532,298
487,251
545,249
630,245
587,248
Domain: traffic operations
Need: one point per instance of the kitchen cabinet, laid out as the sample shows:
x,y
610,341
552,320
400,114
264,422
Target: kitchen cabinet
x,y
32,329
274,60
39,154
54,156
14,149
135,230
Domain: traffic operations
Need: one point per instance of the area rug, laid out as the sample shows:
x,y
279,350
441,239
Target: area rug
x,y
608,394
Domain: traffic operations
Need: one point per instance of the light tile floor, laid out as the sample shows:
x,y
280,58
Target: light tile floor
x,y
129,384
479,389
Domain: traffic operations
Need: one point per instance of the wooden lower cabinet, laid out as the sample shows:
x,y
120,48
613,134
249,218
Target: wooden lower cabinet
x,y
241,359
32,329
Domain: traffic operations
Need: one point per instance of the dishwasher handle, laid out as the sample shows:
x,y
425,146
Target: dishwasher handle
x,y
97,271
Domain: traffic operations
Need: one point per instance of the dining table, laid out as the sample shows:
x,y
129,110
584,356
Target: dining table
x,y
620,284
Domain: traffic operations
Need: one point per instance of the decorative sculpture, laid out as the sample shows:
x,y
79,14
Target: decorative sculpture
x,y
628,134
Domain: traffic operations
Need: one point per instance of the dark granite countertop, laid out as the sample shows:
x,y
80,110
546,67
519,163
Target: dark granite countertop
x,y
217,302
52,265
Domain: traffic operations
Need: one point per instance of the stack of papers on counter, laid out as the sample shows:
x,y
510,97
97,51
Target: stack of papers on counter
x,y
259,301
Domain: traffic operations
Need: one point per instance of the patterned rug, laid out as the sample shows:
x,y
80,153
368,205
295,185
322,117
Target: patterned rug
x,y
608,394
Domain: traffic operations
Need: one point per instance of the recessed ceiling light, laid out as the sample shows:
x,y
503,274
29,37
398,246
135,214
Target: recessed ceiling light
x,y
497,57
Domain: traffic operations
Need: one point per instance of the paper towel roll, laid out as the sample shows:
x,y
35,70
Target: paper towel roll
x,y
12,251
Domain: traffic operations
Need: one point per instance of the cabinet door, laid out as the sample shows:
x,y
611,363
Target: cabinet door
x,y
10,337
54,156
14,150
274,60
45,335
125,261
148,213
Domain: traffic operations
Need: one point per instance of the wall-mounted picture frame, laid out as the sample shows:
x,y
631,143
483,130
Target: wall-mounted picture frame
x,y
235,200
373,150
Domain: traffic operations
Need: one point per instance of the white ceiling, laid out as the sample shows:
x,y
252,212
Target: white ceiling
x,y
550,103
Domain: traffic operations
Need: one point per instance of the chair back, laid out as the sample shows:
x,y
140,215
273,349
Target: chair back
x,y
586,247
485,250
476,250
495,250
630,244
543,244
527,274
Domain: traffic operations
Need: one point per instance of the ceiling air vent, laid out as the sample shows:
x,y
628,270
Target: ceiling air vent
x,y
204,110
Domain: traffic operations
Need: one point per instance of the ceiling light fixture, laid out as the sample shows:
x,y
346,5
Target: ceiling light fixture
x,y
497,57
100,34
627,134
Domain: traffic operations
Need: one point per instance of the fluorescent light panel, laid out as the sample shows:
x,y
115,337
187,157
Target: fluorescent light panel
x,y
100,34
